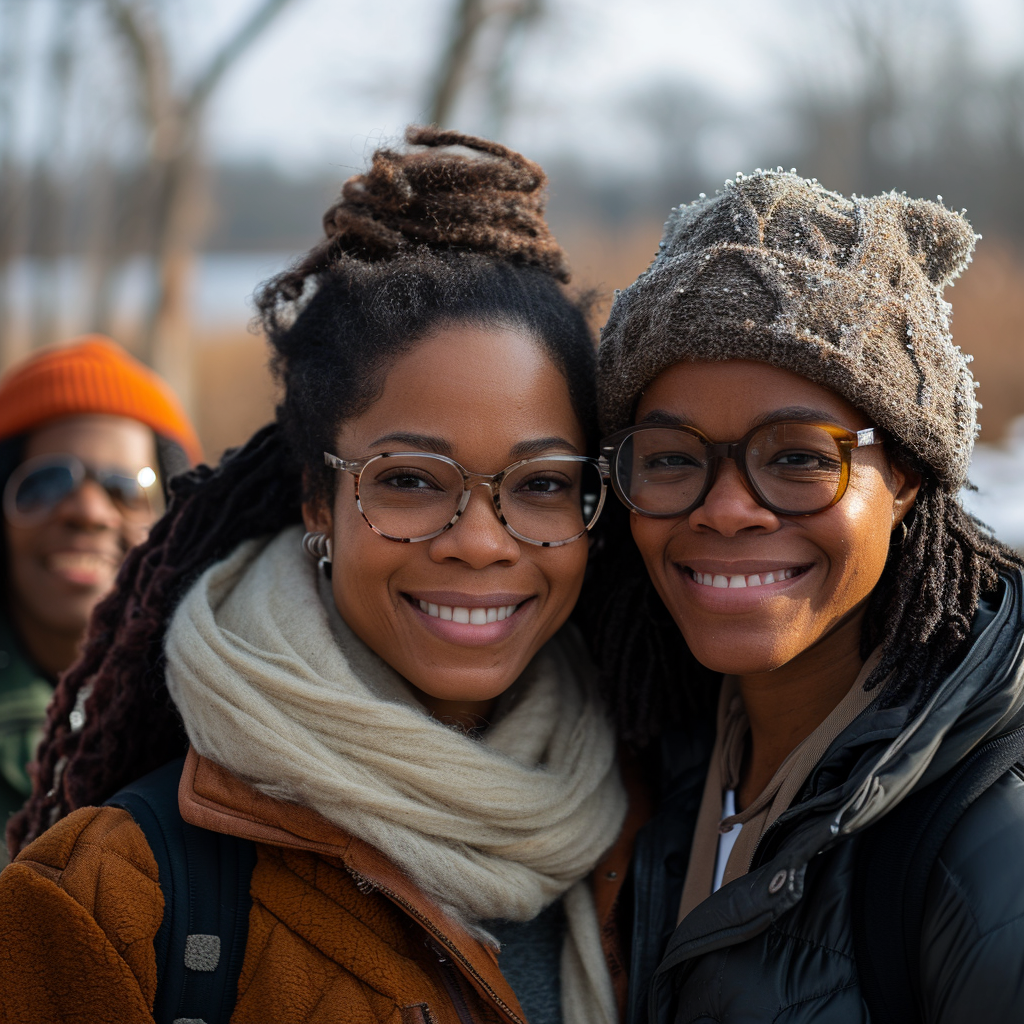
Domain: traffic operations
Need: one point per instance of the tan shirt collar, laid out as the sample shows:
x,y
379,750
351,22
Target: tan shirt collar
x,y
724,773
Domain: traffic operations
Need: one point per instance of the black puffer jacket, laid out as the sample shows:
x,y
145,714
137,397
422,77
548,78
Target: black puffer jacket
x,y
749,955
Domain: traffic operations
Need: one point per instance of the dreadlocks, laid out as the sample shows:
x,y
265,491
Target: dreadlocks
x,y
426,238
923,607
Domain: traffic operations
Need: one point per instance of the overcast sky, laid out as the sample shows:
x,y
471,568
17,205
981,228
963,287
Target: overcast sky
x,y
331,77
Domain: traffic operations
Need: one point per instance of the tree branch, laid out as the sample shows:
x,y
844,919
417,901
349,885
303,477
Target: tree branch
x,y
469,17
148,55
246,35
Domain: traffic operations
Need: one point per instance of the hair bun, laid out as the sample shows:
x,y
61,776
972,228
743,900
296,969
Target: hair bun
x,y
451,191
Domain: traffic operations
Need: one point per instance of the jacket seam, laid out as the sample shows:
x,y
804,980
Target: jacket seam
x,y
1006,924
980,933
814,998
811,943
958,887
278,923
56,874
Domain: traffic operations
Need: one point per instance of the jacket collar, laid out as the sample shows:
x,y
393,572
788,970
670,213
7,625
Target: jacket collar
x,y
211,797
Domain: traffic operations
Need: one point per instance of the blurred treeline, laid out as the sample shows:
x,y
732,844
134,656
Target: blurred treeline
x,y
865,95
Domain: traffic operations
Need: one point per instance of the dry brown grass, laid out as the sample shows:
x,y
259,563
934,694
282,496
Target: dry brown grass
x,y
233,391
234,394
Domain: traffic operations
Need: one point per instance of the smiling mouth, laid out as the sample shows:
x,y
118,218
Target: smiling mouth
x,y
79,562
468,616
721,582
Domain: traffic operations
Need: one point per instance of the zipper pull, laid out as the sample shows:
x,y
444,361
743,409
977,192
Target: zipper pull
x,y
364,885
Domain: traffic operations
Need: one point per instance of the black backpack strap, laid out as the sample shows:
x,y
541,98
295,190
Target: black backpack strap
x,y
894,863
204,877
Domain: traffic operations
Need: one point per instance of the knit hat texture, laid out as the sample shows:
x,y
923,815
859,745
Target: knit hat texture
x,y
91,375
844,292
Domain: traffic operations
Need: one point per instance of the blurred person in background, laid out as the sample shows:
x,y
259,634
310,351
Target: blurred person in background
x,y
88,439
386,789
790,427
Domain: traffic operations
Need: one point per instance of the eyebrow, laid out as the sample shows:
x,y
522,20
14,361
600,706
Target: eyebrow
x,y
541,445
794,412
439,446
416,442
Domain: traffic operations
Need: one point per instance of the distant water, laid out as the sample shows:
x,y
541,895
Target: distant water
x,y
222,287
998,473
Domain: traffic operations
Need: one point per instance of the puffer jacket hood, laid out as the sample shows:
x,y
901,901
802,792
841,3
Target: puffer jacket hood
x,y
804,861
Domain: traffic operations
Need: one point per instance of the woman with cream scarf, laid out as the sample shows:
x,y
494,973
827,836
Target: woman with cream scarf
x,y
360,619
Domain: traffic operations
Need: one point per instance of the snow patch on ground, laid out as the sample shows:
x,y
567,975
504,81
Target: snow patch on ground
x,y
998,473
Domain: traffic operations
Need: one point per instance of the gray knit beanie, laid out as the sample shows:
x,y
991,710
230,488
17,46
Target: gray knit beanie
x,y
845,292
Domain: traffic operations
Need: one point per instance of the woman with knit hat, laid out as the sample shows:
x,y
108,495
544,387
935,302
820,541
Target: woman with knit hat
x,y
400,801
88,439
789,426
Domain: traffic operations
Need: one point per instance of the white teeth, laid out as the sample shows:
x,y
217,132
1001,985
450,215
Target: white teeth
x,y
467,616
707,579
79,560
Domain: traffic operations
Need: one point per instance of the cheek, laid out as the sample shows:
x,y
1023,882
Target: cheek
x,y
25,548
858,542
363,563
652,538
563,569
17,540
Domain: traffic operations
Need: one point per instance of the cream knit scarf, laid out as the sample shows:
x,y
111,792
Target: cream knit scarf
x,y
293,703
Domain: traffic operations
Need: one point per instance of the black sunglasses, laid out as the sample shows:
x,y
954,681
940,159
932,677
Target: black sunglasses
x,y
38,486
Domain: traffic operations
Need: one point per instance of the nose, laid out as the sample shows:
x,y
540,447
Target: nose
x,y
478,538
729,508
89,508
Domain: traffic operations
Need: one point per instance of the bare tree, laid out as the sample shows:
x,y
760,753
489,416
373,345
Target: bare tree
x,y
899,56
503,25
51,179
12,185
512,36
174,183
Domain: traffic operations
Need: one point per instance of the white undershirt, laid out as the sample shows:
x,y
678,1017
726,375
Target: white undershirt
x,y
726,840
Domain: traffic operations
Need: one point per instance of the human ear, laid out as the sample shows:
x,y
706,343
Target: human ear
x,y
906,483
317,514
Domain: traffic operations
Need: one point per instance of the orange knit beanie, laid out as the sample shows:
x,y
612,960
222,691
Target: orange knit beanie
x,y
92,375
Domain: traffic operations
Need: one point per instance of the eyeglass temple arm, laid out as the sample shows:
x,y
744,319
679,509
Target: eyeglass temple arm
x,y
867,437
349,467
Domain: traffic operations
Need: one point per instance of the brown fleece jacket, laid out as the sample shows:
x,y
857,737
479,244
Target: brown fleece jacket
x,y
336,932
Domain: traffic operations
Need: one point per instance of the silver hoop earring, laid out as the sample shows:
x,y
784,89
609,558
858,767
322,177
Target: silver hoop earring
x,y
899,541
318,546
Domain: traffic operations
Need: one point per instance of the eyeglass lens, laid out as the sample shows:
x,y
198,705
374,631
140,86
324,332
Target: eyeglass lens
x,y
45,487
795,467
543,500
